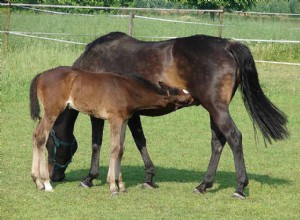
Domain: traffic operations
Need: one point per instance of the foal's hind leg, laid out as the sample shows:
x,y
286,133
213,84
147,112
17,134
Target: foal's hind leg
x,y
136,129
35,170
233,136
40,172
217,143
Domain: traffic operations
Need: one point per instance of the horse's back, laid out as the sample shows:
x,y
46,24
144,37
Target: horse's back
x,y
198,63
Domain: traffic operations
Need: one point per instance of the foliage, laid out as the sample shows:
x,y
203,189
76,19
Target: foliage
x,y
275,6
216,4
206,4
291,6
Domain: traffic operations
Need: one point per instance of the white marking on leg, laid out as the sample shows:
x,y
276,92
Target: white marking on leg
x,y
48,187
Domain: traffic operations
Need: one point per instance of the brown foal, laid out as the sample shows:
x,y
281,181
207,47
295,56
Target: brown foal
x,y
107,96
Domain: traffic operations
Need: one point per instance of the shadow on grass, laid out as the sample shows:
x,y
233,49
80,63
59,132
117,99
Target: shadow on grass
x,y
134,175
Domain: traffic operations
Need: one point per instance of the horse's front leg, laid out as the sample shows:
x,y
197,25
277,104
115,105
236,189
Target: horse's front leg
x,y
63,128
136,129
97,133
117,138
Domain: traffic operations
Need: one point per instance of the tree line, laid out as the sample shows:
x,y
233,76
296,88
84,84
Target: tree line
x,y
283,6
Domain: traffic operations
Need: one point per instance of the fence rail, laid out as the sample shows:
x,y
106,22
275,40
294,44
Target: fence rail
x,y
80,43
131,16
111,8
265,13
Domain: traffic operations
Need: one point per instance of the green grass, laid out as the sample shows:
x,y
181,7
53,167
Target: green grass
x,y
179,144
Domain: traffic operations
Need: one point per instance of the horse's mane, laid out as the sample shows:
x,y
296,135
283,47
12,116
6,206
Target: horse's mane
x,y
105,38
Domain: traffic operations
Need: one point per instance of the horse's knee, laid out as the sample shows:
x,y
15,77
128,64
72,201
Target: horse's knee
x,y
96,147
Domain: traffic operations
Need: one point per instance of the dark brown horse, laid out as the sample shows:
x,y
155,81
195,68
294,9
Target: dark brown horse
x,y
210,68
106,96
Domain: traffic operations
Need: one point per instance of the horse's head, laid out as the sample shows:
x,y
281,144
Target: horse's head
x,y
60,155
179,97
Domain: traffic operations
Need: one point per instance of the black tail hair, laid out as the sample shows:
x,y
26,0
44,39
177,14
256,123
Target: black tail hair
x,y
264,114
34,102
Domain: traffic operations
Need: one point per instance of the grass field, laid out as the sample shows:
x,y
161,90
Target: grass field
x,y
179,144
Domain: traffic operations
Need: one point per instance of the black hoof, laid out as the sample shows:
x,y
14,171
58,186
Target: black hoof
x,y
199,191
149,186
86,184
239,195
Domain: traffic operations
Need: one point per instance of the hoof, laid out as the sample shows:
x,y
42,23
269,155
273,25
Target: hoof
x,y
123,190
149,186
199,191
239,195
39,185
49,190
48,187
86,184
122,187
114,194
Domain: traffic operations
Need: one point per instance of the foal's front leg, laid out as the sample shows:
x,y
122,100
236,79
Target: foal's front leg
x,y
117,137
120,182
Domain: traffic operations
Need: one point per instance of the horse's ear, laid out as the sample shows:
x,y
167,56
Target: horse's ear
x,y
164,87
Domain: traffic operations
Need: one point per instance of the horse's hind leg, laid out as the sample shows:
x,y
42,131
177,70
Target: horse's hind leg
x,y
136,129
217,143
40,172
233,136
97,133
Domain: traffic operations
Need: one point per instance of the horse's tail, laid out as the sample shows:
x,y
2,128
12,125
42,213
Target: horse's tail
x,y
34,102
270,120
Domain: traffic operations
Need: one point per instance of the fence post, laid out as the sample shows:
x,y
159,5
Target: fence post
x,y
131,24
221,17
7,25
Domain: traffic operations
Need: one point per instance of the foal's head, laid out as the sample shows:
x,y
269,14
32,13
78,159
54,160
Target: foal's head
x,y
178,97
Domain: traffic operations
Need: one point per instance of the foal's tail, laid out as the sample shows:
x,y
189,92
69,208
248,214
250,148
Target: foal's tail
x,y
270,120
34,102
